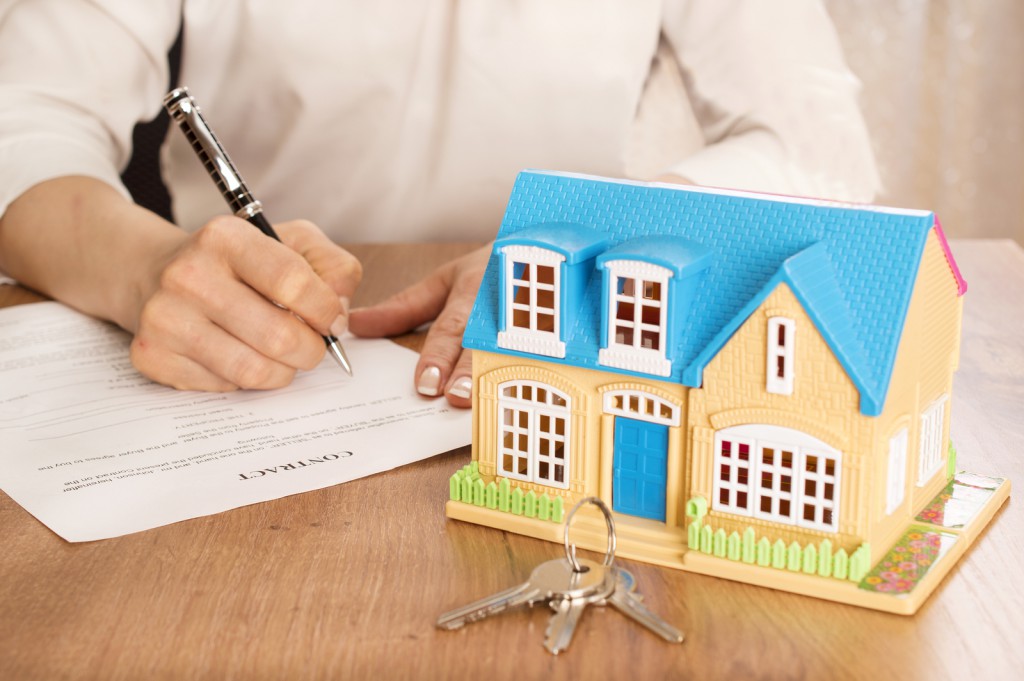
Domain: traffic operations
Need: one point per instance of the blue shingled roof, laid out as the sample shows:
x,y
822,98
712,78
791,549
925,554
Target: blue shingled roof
x,y
671,252
575,242
852,267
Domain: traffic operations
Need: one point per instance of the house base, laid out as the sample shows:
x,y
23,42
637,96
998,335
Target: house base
x,y
900,582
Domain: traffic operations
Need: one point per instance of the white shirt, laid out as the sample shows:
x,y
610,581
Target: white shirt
x,y
407,120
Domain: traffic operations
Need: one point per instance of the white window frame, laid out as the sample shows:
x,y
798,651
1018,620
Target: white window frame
x,y
642,406
780,385
896,475
739,493
817,500
804,449
633,356
933,424
532,340
777,493
530,411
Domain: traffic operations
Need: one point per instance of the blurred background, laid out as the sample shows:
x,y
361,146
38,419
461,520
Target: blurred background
x,y
943,97
944,100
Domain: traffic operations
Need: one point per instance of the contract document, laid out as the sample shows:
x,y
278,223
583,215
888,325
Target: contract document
x,y
94,450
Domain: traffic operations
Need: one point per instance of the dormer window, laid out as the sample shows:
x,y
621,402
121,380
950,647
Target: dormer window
x,y
636,317
531,297
647,286
639,316
781,335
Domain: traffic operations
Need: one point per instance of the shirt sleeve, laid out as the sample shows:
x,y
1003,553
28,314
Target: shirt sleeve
x,y
774,99
75,77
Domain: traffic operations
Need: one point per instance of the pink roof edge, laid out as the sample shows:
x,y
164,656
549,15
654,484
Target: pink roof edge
x,y
961,283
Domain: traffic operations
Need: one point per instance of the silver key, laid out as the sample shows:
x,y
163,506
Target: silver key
x,y
627,601
492,605
563,623
569,609
553,580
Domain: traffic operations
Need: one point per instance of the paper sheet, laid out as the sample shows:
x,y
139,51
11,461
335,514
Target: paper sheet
x,y
94,450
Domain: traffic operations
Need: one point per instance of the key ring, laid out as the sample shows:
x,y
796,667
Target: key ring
x,y
570,549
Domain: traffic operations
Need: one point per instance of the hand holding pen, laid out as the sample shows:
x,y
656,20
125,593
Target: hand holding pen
x,y
183,110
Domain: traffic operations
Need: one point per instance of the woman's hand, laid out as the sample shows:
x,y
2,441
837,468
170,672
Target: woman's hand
x,y
208,319
446,297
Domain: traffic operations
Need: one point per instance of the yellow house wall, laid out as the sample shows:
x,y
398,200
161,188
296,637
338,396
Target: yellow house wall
x,y
590,441
927,357
824,404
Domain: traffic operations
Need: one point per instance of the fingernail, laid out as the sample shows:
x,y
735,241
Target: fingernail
x,y
340,325
462,387
430,382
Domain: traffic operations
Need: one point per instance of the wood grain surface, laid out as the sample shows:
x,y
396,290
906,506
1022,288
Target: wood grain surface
x,y
346,582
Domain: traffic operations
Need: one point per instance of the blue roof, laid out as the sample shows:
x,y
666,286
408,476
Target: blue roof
x,y
576,242
853,268
674,253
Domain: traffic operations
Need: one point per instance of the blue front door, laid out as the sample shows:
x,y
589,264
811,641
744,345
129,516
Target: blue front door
x,y
640,468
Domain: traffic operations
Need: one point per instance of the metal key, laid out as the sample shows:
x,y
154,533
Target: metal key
x,y
563,623
628,602
554,580
568,610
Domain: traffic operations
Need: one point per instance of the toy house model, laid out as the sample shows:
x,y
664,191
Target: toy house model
x,y
757,386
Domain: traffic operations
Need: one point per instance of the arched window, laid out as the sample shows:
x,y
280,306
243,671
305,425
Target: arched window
x,y
531,291
533,433
637,317
640,405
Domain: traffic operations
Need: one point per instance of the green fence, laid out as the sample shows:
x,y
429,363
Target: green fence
x,y
811,558
467,486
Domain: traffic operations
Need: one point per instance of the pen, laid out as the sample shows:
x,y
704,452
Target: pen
x,y
182,108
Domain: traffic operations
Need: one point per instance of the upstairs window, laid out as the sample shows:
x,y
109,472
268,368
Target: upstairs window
x,y
781,335
531,296
639,313
637,317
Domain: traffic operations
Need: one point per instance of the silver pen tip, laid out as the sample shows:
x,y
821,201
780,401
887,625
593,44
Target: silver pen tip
x,y
338,353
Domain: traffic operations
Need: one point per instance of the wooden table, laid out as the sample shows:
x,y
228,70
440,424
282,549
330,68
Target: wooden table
x,y
346,582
